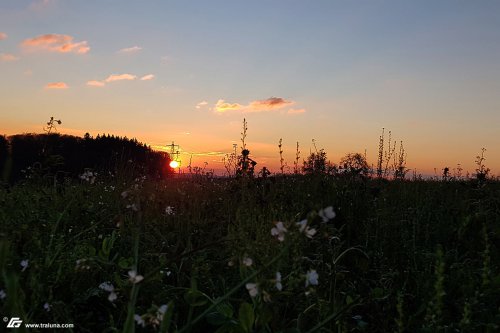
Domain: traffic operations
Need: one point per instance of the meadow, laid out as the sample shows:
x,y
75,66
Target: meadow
x,y
287,253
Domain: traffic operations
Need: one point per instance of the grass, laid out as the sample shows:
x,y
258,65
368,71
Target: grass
x,y
399,256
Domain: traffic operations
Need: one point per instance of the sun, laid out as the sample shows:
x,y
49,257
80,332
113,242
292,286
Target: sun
x,y
174,164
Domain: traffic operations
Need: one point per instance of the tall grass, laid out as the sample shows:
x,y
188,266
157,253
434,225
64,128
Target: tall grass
x,y
407,256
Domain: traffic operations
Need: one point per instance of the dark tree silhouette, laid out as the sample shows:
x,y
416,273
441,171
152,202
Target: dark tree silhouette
x,y
55,153
317,163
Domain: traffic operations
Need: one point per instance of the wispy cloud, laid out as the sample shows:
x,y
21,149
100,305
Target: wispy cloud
x,y
147,77
120,77
269,104
130,49
3,35
38,5
57,85
56,43
222,106
94,83
5,57
201,104
296,111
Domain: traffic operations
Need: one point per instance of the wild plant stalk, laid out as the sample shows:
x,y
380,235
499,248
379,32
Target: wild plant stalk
x,y
481,171
51,125
486,271
296,162
399,165
314,145
400,309
282,160
380,154
459,172
230,161
388,156
244,135
246,165
434,315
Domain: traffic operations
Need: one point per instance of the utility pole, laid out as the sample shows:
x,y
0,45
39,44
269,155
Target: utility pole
x,y
174,151
174,154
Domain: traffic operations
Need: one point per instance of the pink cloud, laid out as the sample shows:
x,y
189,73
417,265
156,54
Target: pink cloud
x,y
94,83
57,85
56,43
296,111
130,49
147,77
269,104
120,77
3,35
5,57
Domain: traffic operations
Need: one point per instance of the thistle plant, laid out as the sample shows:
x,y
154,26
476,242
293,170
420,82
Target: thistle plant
x,y
246,165
51,125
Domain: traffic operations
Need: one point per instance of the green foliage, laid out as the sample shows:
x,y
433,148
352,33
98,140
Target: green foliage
x,y
108,255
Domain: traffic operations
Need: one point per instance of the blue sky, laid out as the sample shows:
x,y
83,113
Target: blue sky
x,y
339,71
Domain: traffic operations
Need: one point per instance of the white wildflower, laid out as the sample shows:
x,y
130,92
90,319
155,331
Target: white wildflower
x,y
169,210
161,312
303,227
327,213
107,286
252,288
138,319
3,294
310,232
112,296
24,264
279,231
247,261
278,284
124,194
47,307
312,278
81,264
89,176
134,277
162,309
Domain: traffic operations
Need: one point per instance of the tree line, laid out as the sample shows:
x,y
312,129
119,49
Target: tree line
x,y
32,155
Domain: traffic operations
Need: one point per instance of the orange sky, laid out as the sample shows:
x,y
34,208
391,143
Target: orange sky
x,y
337,72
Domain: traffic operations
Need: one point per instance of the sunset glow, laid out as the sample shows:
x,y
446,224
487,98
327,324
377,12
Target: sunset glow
x,y
333,71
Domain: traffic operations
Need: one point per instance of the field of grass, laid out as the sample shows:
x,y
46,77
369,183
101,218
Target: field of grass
x,y
203,254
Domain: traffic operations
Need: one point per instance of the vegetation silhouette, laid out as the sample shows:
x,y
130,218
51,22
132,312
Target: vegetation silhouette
x,y
58,155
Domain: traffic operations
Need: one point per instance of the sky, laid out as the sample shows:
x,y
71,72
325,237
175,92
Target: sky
x,y
335,72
